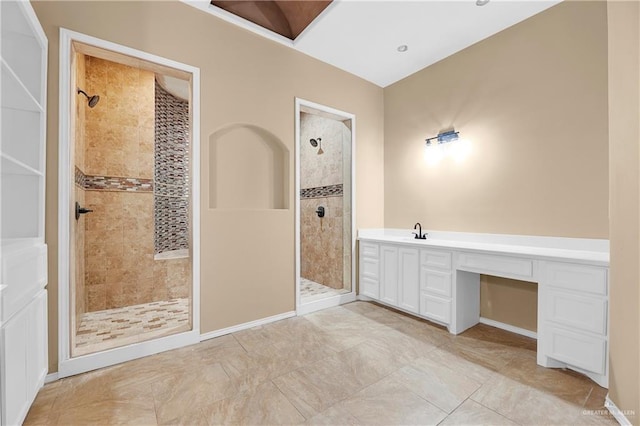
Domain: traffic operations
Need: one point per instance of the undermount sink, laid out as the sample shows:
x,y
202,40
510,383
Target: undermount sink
x,y
415,239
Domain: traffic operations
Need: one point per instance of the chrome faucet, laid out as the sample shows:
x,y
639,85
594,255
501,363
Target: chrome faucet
x,y
419,235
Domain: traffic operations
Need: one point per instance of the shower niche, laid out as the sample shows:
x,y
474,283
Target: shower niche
x,y
249,169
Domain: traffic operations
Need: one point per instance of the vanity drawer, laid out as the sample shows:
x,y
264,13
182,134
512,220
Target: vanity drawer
x,y
370,268
435,259
435,308
505,266
586,313
369,250
435,282
370,287
577,349
575,277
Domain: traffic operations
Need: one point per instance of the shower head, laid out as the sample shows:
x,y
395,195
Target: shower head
x,y
315,143
93,100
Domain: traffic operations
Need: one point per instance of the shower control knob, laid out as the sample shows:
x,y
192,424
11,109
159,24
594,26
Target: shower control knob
x,y
320,211
81,210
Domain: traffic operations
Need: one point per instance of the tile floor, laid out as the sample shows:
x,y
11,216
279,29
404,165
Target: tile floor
x,y
311,291
111,328
355,364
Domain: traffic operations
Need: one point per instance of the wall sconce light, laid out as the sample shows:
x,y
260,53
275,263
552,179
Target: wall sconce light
x,y
443,145
443,137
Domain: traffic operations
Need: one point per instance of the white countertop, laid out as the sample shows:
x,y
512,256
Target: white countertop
x,y
582,250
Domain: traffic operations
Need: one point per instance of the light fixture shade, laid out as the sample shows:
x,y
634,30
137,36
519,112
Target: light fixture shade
x,y
444,137
440,146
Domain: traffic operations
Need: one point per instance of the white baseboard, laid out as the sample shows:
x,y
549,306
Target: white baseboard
x,y
51,377
326,303
508,327
616,412
246,325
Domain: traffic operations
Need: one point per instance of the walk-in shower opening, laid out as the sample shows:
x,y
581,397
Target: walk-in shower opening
x,y
325,205
130,251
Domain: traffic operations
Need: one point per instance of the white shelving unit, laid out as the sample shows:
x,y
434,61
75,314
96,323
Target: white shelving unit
x,y
23,253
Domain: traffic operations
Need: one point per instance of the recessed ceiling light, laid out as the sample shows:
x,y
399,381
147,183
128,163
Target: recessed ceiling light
x,y
481,2
403,48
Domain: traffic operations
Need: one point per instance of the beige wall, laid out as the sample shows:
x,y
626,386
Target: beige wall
x,y
532,100
624,186
247,254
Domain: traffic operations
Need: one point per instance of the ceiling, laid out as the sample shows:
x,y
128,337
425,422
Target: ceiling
x,y
285,17
362,37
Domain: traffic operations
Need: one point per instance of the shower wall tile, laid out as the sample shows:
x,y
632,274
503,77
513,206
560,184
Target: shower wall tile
x,y
325,169
120,266
171,156
321,245
77,259
118,173
121,122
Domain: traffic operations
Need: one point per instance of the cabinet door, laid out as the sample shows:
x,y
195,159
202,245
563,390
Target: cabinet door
x,y
577,349
435,282
409,279
389,275
37,344
15,338
370,270
435,308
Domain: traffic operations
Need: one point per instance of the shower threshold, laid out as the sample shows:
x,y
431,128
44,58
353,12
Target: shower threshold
x,y
310,291
111,328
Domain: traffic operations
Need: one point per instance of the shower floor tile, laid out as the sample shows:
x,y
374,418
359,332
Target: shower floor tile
x,y
111,328
311,290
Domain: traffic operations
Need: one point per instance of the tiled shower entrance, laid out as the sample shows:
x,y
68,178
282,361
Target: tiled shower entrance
x,y
324,198
132,266
105,329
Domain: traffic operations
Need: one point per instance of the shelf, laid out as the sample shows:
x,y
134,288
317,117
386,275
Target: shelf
x,y
11,166
23,47
22,205
22,139
14,94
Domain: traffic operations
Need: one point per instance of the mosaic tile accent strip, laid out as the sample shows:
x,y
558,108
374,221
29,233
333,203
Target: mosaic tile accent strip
x,y
112,183
322,191
110,328
80,178
171,191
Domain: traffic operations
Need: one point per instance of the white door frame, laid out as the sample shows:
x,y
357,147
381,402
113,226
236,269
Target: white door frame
x,y
301,308
67,365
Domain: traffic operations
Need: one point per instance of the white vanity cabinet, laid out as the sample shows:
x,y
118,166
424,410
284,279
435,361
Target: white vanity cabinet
x,y
574,318
23,253
436,280
439,280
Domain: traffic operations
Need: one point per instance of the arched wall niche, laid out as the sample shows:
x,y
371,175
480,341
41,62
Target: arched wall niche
x,y
249,169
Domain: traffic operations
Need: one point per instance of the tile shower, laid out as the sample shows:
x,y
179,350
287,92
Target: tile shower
x,y
125,161
325,242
